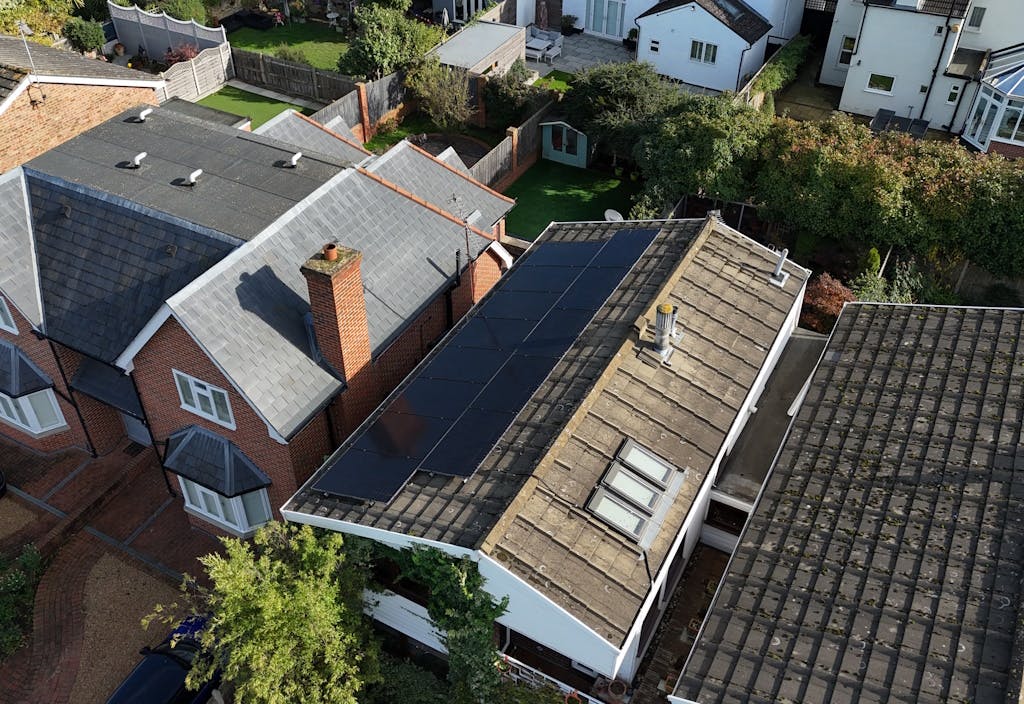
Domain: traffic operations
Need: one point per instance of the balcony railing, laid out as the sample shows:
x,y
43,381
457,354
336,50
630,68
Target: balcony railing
x,y
520,672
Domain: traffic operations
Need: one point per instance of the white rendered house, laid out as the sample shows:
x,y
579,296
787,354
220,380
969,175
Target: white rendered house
x,y
923,59
567,437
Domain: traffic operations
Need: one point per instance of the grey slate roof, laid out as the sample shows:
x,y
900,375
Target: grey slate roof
x,y
107,384
737,15
47,61
107,265
311,137
437,182
19,375
452,158
244,186
248,312
18,275
883,560
509,508
212,461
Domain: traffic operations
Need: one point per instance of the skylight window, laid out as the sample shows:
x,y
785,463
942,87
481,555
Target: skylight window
x,y
646,463
629,498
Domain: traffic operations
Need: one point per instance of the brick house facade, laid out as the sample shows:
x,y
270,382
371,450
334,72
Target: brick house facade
x,y
45,115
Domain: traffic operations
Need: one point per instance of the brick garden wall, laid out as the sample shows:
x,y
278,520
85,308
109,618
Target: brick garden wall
x,y
39,351
69,110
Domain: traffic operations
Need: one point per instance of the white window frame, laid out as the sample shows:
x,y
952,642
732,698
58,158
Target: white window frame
x,y
869,89
229,514
978,12
702,49
849,52
6,318
18,412
202,389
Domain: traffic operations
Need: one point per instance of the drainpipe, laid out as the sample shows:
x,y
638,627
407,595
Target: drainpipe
x,y
739,69
69,398
938,62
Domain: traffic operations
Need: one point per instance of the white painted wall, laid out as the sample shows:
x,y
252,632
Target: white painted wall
x,y
845,22
1002,26
675,30
525,11
404,616
784,15
898,43
718,538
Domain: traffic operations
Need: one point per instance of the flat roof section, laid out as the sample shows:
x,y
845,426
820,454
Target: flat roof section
x,y
472,45
883,561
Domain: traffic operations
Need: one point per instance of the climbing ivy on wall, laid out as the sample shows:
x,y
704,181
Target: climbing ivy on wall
x,y
463,611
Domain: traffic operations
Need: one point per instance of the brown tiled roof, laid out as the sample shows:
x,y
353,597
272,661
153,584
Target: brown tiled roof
x,y
524,505
883,561
10,77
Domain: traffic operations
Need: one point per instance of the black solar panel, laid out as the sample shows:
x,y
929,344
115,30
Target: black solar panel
x,y
450,416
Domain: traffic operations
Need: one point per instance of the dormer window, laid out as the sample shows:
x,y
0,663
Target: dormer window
x,y
630,497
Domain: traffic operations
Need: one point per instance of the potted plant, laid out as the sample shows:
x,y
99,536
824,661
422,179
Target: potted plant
x,y
629,41
297,10
569,24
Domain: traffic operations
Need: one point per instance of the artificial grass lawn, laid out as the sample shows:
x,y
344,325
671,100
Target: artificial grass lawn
x,y
246,104
556,80
321,44
550,191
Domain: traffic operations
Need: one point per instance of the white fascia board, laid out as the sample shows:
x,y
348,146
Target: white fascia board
x,y
501,253
155,84
395,540
571,637
19,89
126,360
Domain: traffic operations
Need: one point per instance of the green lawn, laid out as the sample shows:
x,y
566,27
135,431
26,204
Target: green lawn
x,y
246,104
550,191
321,44
556,80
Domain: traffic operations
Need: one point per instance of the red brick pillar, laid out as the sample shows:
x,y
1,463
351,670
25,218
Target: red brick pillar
x,y
339,320
364,112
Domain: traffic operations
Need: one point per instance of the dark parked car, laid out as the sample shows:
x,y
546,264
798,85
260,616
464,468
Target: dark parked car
x,y
160,677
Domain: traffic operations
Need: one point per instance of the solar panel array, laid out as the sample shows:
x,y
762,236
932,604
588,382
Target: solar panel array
x,y
459,404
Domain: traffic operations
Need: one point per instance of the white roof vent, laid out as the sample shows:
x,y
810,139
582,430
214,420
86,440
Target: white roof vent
x,y
294,161
779,277
137,159
144,114
193,178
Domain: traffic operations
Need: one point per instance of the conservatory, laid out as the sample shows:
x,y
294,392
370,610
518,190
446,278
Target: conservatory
x,y
995,122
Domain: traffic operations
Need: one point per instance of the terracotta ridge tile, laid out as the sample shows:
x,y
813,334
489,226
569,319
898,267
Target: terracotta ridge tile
x,y
334,134
430,206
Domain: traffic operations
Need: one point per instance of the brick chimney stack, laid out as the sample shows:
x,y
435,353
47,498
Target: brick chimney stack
x,y
339,320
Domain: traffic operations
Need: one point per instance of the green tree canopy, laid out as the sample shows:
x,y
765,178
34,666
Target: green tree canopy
x,y
443,92
386,41
617,103
286,619
707,146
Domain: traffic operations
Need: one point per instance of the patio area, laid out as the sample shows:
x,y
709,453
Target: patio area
x,y
581,51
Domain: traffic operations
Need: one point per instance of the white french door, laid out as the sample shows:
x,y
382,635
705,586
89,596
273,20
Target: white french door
x,y
606,17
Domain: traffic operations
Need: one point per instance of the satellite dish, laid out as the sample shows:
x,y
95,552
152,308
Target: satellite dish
x,y
612,215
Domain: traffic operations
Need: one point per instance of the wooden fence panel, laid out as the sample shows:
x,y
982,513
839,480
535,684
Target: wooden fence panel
x,y
529,133
384,95
346,107
494,165
289,77
195,79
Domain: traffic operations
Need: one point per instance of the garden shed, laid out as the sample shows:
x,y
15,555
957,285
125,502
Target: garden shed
x,y
563,143
484,47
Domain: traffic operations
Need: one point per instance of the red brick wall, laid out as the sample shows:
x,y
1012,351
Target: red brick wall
x,y
102,421
1010,151
69,110
173,348
39,352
